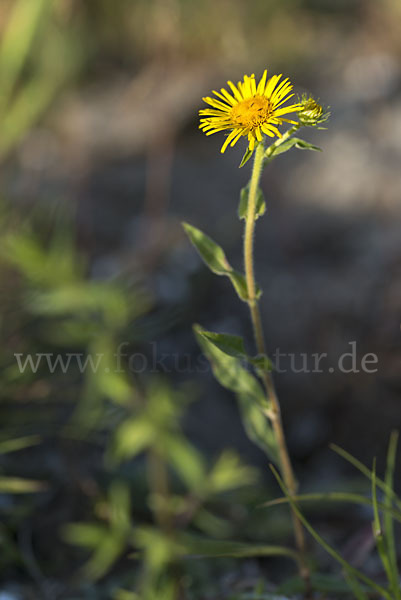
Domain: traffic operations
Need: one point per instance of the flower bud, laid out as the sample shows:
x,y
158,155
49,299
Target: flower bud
x,y
311,112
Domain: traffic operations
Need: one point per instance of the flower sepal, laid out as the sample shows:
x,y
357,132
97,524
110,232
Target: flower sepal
x,y
246,157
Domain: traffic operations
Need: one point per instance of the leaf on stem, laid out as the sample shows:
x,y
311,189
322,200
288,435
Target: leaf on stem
x,y
230,373
294,142
260,206
227,366
233,345
214,257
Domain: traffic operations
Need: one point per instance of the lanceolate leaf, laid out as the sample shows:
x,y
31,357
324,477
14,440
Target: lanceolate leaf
x,y
258,427
303,145
230,373
233,345
228,370
294,142
260,208
213,256
211,253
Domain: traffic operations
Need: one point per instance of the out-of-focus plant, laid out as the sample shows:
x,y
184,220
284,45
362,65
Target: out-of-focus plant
x,y
182,489
16,485
40,52
75,312
139,418
10,485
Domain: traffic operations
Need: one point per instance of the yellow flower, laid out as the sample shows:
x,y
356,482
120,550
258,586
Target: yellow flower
x,y
251,110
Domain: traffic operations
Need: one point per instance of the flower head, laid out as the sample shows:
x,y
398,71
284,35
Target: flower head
x,y
250,110
311,112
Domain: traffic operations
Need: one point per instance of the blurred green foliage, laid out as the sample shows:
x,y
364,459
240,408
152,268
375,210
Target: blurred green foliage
x,y
40,53
137,417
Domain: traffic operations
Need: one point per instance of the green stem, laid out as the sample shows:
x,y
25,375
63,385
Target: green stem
x,y
274,414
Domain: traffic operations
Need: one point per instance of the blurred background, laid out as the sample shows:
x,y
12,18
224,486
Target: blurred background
x,y
101,160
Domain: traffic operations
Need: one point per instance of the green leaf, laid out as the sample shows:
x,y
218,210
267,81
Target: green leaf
x,y
240,286
228,369
329,497
260,208
388,518
86,535
246,157
377,528
132,437
233,345
303,145
213,256
277,148
365,471
229,472
18,443
16,485
159,547
230,373
186,461
199,546
261,362
257,426
108,542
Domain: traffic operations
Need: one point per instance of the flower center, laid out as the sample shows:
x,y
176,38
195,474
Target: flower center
x,y
252,112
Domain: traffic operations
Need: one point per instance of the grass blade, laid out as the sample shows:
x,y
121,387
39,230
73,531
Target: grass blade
x,y
388,517
349,568
377,528
365,471
347,497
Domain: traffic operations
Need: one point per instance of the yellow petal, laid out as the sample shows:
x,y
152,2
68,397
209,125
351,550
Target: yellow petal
x,y
271,84
252,84
228,97
261,84
217,104
235,91
237,137
228,140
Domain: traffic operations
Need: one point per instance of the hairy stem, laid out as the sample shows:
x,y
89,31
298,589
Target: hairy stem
x,y
274,414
